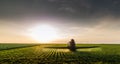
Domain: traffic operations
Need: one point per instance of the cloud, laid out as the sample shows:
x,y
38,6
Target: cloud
x,y
107,31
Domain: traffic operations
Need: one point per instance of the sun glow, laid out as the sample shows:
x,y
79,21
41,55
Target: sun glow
x,y
43,33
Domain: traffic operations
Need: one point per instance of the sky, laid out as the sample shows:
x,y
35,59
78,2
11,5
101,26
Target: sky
x,y
87,21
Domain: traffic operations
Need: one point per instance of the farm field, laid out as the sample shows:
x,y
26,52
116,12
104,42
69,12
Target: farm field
x,y
13,46
40,54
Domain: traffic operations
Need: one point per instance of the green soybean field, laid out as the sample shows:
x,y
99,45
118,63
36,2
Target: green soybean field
x,y
41,54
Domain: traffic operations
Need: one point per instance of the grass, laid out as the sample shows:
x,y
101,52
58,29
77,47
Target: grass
x,y
104,54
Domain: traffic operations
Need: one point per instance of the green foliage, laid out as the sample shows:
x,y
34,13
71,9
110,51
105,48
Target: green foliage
x,y
105,54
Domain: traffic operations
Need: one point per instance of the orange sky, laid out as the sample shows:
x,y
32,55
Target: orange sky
x,y
104,32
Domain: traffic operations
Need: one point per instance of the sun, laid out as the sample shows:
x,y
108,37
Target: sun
x,y
43,33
